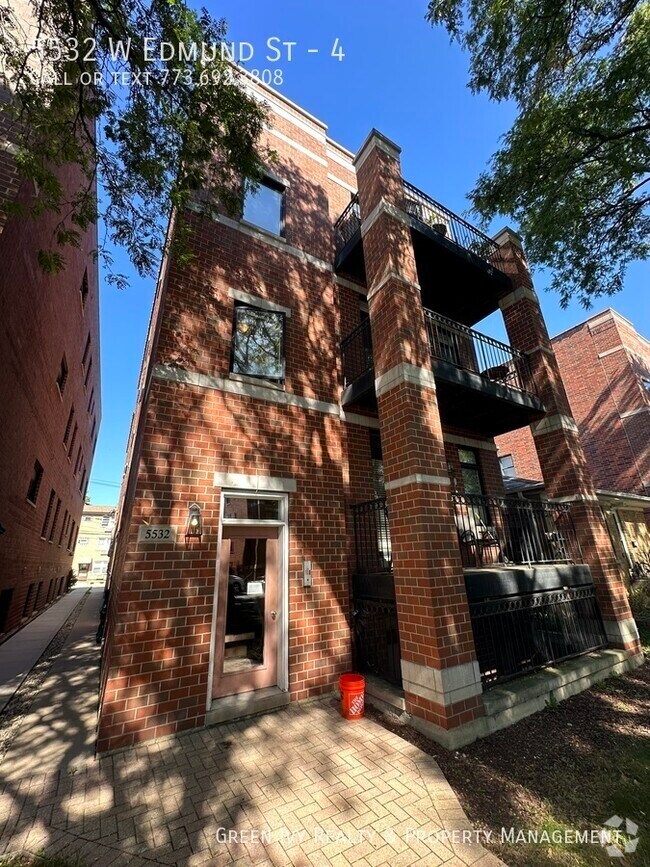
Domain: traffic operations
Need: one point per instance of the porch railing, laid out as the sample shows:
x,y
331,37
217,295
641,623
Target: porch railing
x,y
451,226
372,537
347,224
470,350
452,342
433,215
356,350
518,634
509,530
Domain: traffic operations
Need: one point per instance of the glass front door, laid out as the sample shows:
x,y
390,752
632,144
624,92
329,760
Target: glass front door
x,y
247,610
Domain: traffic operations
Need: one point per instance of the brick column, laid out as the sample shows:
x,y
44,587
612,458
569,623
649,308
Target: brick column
x,y
559,448
441,677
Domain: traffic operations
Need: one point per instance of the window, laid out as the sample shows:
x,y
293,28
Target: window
x,y
86,352
35,483
92,432
507,466
83,540
258,343
71,536
106,520
90,401
29,600
251,509
88,369
82,480
55,521
77,462
73,440
68,427
62,378
48,514
264,207
64,525
470,471
83,289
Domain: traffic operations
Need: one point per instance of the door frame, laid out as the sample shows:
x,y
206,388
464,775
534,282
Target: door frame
x,y
283,578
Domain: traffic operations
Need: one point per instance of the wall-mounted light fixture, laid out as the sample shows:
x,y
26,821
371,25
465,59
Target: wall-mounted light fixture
x,y
194,529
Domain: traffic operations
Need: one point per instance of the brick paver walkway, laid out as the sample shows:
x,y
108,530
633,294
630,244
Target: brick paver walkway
x,y
316,789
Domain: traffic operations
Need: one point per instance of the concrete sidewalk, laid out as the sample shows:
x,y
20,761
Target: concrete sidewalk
x,y
20,653
58,732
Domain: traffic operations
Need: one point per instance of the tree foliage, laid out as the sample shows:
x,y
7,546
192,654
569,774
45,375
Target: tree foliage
x,y
574,169
96,85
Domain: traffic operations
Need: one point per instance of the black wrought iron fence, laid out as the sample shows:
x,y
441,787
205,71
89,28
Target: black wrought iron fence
x,y
509,530
518,634
470,350
372,537
451,226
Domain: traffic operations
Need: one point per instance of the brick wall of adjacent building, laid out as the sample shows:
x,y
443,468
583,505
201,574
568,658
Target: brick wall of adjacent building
x,y
603,362
43,319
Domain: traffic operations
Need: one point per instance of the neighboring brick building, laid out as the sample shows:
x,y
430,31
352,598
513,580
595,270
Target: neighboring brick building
x,y
91,554
312,482
605,366
49,398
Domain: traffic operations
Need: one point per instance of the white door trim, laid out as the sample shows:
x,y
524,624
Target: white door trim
x,y
283,581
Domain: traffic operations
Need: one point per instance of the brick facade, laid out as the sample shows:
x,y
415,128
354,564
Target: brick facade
x,y
200,430
44,320
604,363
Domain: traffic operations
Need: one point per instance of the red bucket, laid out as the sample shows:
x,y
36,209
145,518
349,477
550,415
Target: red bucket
x,y
353,688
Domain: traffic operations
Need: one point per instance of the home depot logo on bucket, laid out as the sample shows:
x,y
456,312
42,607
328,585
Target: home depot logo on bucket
x,y
352,688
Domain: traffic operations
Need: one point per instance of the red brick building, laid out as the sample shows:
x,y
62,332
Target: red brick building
x,y
50,399
312,482
605,366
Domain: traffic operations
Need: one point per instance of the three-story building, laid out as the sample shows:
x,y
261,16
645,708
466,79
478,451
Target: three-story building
x,y
312,482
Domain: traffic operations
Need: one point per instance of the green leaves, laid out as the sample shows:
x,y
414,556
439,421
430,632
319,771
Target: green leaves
x,y
574,169
153,129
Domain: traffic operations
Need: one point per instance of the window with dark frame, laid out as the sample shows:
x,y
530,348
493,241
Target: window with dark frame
x,y
77,462
86,352
48,514
84,289
68,426
35,483
88,369
470,471
28,607
264,207
64,525
62,378
55,520
73,439
258,343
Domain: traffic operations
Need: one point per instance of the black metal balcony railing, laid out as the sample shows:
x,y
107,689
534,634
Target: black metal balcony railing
x,y
508,530
452,342
372,537
451,226
433,215
356,350
518,634
470,350
347,224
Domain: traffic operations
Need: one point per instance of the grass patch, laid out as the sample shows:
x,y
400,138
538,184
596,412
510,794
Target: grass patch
x,y
24,859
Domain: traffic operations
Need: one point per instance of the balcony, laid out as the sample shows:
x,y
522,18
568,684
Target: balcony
x,y
482,384
531,600
448,251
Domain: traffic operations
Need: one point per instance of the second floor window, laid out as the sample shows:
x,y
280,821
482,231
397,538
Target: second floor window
x,y
258,343
62,378
264,206
35,483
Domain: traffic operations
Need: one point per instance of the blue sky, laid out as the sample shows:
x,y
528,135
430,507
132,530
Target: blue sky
x,y
399,75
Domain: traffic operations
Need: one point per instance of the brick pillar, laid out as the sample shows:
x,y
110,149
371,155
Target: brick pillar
x,y
441,677
559,448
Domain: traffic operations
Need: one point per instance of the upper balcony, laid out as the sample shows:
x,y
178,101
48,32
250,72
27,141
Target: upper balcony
x,y
460,270
482,384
